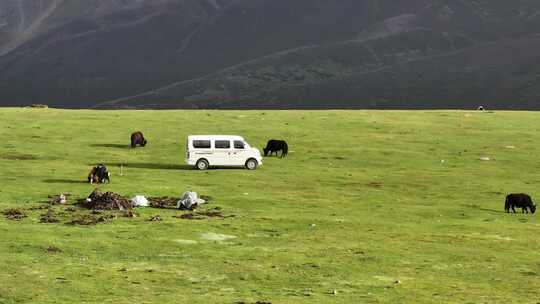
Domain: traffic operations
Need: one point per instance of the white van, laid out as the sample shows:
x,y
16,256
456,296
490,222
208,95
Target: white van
x,y
203,151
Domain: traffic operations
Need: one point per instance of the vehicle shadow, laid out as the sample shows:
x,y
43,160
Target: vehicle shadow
x,y
155,166
64,181
115,146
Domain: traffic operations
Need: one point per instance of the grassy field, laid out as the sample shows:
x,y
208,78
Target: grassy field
x,y
369,207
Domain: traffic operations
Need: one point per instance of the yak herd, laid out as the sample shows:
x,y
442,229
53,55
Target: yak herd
x,y
100,174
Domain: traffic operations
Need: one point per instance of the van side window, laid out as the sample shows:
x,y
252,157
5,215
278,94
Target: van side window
x,y
201,144
238,144
222,144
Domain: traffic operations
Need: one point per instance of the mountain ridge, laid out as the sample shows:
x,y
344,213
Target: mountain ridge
x,y
261,53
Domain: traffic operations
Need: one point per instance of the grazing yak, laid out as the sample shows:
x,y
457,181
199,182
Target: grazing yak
x,y
137,138
519,200
99,175
275,146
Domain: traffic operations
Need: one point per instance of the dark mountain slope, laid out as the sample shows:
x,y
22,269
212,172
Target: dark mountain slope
x,y
504,74
278,53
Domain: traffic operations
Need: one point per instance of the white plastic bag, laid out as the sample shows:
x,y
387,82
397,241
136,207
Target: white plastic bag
x,y
189,200
139,201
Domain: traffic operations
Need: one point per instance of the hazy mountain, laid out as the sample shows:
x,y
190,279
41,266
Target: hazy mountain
x,y
270,53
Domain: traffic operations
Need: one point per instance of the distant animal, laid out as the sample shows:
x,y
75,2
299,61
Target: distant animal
x,y
274,146
519,200
137,138
99,175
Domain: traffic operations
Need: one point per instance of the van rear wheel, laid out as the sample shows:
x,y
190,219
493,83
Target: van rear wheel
x,y
251,164
202,164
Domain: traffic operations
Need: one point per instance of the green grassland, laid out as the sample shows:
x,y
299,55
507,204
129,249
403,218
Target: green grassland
x,y
404,210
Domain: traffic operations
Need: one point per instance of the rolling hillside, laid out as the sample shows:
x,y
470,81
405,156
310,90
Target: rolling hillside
x,y
270,54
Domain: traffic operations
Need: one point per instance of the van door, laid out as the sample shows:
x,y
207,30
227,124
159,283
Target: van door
x,y
222,153
239,153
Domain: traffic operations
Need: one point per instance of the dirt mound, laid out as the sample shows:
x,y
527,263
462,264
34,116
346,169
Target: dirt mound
x,y
200,215
164,202
52,250
190,216
128,213
98,200
14,214
90,219
49,217
167,202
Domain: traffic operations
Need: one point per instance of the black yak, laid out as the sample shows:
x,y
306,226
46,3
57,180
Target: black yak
x,y
519,200
275,146
137,138
99,175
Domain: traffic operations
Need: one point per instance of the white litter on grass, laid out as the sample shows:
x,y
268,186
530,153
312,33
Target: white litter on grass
x,y
387,279
485,158
139,201
189,200
210,236
490,237
510,147
186,242
501,238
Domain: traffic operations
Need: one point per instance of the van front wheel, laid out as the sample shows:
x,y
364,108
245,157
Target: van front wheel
x,y
202,164
251,164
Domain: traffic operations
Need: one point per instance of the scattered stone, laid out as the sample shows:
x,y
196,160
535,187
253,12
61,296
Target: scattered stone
x,y
155,218
15,214
52,250
60,199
